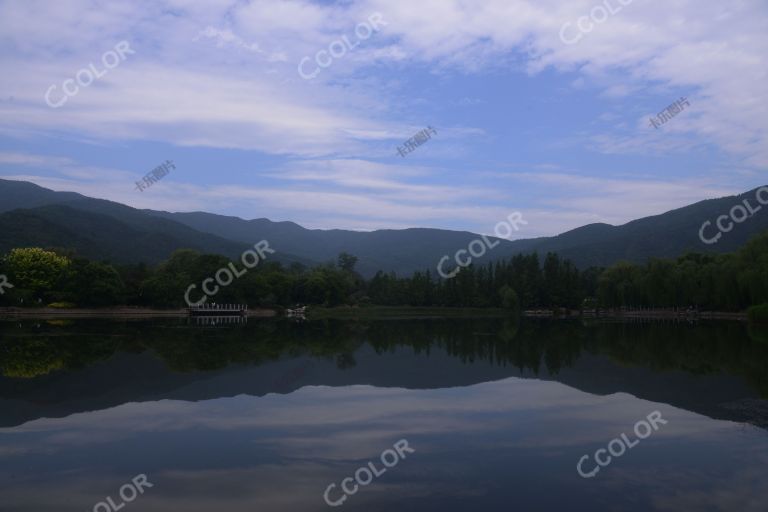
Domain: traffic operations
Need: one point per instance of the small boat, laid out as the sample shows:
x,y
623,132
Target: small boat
x,y
297,312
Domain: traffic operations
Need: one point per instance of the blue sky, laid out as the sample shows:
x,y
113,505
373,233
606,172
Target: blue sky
x,y
525,121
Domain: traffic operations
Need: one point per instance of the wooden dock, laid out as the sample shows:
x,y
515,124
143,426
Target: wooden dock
x,y
219,310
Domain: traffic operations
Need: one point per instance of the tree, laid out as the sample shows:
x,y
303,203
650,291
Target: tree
x,y
35,269
93,283
509,299
347,262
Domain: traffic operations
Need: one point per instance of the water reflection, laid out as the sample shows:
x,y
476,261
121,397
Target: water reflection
x,y
265,415
477,447
217,320
50,369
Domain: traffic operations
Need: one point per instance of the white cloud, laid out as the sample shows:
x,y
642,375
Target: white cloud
x,y
715,51
225,37
620,200
222,74
364,195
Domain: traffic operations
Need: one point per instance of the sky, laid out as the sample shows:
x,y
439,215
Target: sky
x,y
295,109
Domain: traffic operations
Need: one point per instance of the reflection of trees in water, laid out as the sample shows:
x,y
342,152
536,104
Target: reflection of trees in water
x,y
525,345
33,354
702,348
531,345
345,360
758,333
30,359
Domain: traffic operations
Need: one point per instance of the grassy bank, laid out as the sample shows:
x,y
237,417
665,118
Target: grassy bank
x,y
402,312
119,312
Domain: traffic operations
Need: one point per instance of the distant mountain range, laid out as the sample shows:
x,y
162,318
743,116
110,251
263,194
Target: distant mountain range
x,y
31,215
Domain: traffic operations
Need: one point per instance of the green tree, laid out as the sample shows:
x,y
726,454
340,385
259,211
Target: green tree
x,y
92,283
35,269
509,299
347,262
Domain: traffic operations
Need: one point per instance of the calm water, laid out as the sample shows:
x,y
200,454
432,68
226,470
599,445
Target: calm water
x,y
265,416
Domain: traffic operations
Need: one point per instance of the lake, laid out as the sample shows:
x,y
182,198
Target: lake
x,y
433,414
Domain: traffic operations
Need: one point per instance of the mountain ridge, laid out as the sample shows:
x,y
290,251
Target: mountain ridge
x,y
404,251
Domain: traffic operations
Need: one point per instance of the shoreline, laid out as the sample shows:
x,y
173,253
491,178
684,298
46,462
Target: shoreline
x,y
124,312
391,312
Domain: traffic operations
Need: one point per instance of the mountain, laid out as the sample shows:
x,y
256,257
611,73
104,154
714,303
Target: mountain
x,y
403,251
100,229
668,235
151,236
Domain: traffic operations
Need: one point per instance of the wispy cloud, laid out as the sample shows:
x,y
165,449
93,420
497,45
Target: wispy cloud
x,y
717,52
221,76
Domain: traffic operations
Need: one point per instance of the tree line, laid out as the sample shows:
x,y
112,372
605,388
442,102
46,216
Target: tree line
x,y
730,282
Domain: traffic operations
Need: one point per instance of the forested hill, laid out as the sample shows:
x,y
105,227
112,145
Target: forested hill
x,y
34,216
403,251
101,230
667,235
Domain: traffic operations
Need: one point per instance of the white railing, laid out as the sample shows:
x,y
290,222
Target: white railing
x,y
219,308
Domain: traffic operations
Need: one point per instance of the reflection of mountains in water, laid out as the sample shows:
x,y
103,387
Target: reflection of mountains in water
x,y
708,368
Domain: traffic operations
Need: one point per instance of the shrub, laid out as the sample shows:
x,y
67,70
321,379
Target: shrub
x,y
758,314
62,305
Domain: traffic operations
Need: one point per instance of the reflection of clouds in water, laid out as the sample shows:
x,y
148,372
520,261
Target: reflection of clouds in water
x,y
745,489
296,487
363,416
12,450
279,452
352,413
65,493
